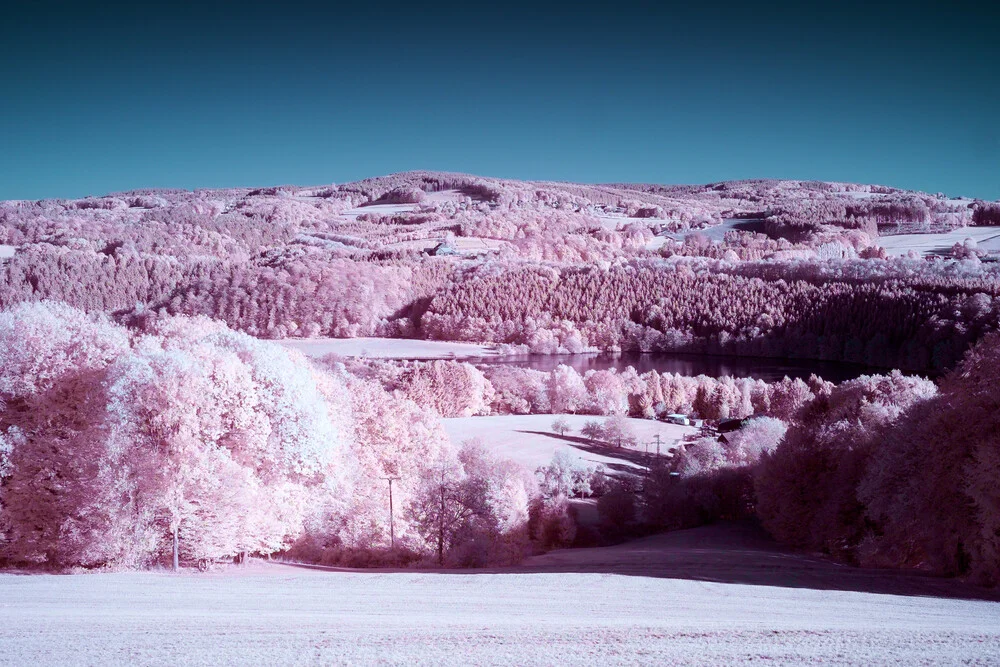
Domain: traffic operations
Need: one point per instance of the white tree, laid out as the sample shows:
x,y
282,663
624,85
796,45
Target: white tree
x,y
567,475
567,392
560,426
473,501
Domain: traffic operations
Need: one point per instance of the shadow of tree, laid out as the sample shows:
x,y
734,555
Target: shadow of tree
x,y
728,553
606,449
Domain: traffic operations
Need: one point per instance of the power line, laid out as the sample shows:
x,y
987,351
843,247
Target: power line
x,y
657,436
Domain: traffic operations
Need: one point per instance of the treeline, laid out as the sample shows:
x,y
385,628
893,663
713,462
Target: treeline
x,y
305,296
565,238
865,314
986,214
868,214
180,440
459,389
565,271
916,316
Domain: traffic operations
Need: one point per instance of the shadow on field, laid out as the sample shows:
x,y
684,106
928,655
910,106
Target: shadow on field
x,y
727,553
639,458
742,553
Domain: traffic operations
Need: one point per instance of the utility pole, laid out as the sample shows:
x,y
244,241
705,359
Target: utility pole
x,y
392,522
176,549
441,522
657,445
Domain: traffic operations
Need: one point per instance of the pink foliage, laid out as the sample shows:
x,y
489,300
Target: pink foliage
x,y
861,312
806,488
117,447
455,389
986,214
931,484
567,391
888,471
521,391
450,389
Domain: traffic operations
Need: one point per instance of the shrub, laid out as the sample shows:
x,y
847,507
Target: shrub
x,y
618,510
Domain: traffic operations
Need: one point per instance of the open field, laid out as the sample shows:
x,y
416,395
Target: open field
x,y
530,441
379,209
717,233
279,614
987,238
388,348
466,245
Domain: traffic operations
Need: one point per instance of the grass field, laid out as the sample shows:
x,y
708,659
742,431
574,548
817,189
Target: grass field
x,y
718,595
530,441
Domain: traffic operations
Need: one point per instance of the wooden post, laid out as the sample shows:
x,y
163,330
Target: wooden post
x,y
441,524
392,521
176,549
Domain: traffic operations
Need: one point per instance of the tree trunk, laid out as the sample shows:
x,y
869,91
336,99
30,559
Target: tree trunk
x,y
176,550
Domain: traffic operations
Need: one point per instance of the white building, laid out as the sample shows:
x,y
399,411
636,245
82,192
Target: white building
x,y
678,419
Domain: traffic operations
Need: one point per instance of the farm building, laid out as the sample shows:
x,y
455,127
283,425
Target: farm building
x,y
443,248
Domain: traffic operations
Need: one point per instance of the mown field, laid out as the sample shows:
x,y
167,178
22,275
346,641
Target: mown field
x,y
562,608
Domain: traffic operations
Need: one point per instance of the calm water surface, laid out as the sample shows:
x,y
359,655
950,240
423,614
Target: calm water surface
x,y
768,369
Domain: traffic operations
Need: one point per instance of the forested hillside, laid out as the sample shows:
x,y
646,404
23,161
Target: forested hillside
x,y
768,268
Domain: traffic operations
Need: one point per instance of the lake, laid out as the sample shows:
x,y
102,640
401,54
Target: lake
x,y
769,369
762,368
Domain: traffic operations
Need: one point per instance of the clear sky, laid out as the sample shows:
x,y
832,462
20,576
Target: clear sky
x,y
98,98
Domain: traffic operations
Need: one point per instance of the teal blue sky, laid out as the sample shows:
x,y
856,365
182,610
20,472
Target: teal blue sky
x,y
109,97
